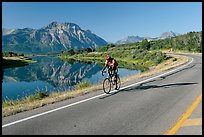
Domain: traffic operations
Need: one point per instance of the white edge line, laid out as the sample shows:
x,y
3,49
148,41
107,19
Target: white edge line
x,y
72,104
53,110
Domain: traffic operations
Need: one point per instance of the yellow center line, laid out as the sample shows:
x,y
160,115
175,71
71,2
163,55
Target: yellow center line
x,y
184,116
193,122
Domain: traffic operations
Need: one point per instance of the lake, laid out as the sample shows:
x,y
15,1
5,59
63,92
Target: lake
x,y
53,74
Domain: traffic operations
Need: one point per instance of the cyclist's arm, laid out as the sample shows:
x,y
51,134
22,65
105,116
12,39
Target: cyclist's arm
x,y
106,63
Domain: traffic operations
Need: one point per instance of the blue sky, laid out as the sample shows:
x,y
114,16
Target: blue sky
x,y
109,20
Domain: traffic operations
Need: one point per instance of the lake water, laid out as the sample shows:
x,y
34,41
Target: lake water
x,y
53,74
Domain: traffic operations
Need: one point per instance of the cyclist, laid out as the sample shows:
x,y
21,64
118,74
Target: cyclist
x,y
112,65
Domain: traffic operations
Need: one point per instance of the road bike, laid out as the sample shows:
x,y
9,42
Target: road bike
x,y
109,82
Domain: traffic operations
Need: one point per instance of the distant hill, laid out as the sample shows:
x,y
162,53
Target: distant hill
x,y
189,42
133,39
52,38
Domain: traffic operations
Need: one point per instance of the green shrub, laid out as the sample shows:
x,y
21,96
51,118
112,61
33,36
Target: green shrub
x,y
174,59
40,94
83,84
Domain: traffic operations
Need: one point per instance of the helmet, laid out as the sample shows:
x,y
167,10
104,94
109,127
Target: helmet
x,y
107,57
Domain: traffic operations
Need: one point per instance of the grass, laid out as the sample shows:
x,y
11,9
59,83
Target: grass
x,y
83,84
39,95
40,99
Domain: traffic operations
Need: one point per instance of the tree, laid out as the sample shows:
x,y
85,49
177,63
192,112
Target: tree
x,y
69,52
88,50
145,44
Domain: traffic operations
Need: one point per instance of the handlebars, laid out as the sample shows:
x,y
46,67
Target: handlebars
x,y
103,72
106,72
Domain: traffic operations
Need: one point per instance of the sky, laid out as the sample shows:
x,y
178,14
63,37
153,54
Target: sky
x,y
112,21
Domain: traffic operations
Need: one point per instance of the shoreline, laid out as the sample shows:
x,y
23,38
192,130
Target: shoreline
x,y
18,61
25,105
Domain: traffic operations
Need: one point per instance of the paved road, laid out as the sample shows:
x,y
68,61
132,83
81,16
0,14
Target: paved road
x,y
153,107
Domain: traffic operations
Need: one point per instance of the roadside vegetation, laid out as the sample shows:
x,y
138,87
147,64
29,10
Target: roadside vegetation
x,y
41,98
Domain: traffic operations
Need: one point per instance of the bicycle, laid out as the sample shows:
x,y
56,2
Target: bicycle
x,y
109,83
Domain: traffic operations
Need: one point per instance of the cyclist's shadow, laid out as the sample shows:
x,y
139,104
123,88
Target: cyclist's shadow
x,y
121,90
142,87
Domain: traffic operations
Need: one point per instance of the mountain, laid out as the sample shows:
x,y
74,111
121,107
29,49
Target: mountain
x,y
129,39
52,38
169,35
7,31
132,39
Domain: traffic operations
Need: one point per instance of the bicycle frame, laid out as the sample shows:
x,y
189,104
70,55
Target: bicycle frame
x,y
112,82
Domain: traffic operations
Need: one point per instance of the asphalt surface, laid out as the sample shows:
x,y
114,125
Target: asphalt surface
x,y
151,108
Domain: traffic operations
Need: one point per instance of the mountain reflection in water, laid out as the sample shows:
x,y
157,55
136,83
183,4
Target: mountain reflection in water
x,y
51,73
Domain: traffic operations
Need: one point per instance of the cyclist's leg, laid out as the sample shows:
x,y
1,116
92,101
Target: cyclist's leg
x,y
116,72
115,76
109,72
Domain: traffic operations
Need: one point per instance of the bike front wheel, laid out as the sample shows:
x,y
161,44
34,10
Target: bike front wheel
x,y
106,85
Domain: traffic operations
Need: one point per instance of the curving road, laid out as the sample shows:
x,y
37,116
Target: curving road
x,y
150,105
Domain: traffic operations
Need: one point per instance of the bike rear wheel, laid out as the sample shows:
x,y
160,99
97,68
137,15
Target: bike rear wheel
x,y
118,83
106,85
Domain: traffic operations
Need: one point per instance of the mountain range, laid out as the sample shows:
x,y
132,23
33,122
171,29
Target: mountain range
x,y
132,39
57,37
52,38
